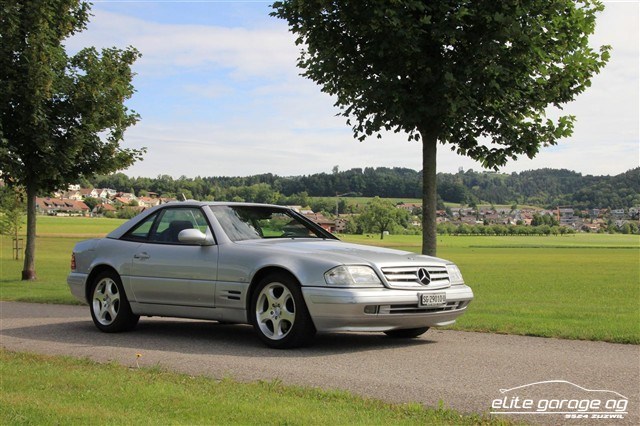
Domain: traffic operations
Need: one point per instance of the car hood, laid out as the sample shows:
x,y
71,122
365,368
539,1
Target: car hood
x,y
341,252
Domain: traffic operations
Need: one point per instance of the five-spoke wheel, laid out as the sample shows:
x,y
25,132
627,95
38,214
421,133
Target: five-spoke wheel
x,y
110,308
275,311
279,313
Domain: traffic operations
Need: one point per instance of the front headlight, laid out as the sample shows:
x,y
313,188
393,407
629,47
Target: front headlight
x,y
352,276
455,276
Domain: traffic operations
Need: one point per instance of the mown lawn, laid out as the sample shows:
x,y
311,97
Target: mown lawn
x,y
583,286
39,390
56,238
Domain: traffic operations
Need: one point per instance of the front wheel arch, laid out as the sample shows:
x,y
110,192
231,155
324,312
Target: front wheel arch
x,y
260,275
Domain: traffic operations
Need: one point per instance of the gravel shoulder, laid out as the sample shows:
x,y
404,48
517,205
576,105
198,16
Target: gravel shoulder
x,y
466,371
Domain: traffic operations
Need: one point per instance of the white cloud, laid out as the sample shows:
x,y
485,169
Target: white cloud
x,y
229,101
168,48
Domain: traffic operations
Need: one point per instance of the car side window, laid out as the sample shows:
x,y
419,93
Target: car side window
x,y
174,220
142,230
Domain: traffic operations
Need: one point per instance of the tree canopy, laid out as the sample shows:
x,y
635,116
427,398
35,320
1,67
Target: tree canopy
x,y
61,117
381,215
479,75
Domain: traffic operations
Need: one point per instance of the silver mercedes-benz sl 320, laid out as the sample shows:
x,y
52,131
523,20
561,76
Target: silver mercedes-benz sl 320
x,y
264,265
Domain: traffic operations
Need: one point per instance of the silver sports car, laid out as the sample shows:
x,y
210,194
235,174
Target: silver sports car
x,y
264,265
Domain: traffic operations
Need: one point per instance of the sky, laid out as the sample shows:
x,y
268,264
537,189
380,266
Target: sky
x,y
219,94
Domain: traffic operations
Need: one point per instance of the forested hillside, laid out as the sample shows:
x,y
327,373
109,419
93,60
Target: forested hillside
x,y
544,187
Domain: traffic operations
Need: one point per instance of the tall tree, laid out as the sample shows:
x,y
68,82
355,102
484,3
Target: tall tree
x,y
478,74
381,215
61,118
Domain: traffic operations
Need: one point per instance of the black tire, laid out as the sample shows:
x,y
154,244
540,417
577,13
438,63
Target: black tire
x,y
406,333
110,309
278,313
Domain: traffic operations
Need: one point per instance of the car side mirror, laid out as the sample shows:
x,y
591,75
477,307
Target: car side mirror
x,y
194,236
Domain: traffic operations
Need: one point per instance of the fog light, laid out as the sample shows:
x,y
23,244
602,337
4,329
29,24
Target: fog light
x,y
371,309
384,309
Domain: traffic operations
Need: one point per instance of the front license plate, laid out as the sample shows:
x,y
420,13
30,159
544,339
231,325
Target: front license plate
x,y
429,300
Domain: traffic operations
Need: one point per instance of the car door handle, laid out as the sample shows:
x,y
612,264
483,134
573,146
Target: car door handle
x,y
141,256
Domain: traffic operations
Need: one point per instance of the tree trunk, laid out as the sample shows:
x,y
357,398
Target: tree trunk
x,y
29,270
429,192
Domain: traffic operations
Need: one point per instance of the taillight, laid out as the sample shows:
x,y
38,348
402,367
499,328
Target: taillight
x,y
73,261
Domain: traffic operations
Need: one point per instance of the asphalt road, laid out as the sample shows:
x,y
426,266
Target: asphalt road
x,y
466,371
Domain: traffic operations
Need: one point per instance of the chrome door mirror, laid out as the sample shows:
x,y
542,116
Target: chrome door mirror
x,y
194,236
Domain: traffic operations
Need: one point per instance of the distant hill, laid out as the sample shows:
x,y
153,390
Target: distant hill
x,y
544,187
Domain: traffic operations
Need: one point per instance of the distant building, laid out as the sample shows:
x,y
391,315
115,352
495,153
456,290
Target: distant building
x,y
326,224
340,225
617,213
566,216
59,206
148,201
103,208
410,207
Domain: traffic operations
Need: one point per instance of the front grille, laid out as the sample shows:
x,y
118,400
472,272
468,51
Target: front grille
x,y
407,276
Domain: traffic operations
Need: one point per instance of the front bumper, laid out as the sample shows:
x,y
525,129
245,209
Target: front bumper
x,y
343,309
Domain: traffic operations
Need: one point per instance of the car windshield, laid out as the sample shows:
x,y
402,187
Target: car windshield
x,y
257,222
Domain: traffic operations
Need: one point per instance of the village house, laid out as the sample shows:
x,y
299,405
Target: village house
x,y
340,225
148,202
410,207
124,199
591,227
493,217
88,192
106,193
103,208
439,219
75,194
566,216
61,207
617,213
325,223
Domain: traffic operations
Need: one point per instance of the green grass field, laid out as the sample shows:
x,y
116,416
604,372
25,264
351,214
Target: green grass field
x,y
41,390
583,286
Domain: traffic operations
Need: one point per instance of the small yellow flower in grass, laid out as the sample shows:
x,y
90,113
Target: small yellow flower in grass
x,y
138,356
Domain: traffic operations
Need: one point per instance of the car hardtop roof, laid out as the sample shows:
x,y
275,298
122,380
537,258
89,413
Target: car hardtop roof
x,y
124,228
221,203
